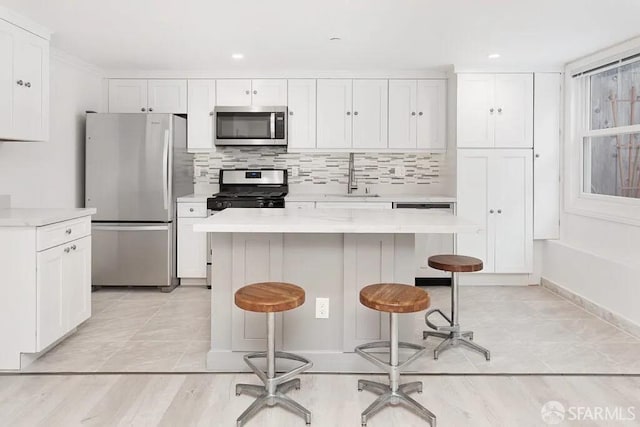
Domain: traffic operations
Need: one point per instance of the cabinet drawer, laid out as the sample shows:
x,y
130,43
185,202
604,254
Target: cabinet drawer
x,y
192,210
62,232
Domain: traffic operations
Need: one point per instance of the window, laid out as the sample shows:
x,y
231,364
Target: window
x,y
611,141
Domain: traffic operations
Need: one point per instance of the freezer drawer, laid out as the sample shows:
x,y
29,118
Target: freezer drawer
x,y
133,254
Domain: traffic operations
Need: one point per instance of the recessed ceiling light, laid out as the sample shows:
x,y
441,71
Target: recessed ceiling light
x,y
494,56
237,56
335,38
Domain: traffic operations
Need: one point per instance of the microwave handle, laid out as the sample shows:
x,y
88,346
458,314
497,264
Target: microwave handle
x,y
273,125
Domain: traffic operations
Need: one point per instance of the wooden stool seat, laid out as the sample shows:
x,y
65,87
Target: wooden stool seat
x,y
394,298
455,263
269,297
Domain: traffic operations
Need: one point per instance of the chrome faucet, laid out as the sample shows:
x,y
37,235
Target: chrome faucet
x,y
352,184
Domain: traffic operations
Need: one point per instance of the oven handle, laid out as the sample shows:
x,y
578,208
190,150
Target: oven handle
x,y
273,125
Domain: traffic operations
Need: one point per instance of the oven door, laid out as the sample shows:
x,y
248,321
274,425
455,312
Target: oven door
x,y
250,125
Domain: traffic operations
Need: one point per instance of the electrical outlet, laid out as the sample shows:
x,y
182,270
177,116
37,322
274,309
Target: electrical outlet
x,y
295,171
322,308
399,172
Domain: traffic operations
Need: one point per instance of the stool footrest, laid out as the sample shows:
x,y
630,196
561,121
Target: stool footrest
x,y
448,328
419,350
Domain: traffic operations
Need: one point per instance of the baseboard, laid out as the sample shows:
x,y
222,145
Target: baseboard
x,y
592,307
188,281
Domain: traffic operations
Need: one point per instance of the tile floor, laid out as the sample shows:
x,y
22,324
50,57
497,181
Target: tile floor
x,y
528,330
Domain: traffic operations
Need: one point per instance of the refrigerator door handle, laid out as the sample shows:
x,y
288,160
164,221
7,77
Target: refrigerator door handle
x,y
129,228
165,170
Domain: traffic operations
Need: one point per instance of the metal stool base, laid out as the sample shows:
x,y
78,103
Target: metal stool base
x,y
393,393
273,391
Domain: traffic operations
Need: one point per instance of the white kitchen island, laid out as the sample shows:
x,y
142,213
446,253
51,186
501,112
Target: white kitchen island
x,y
331,253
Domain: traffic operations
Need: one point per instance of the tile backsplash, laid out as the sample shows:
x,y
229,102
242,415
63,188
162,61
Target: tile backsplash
x,y
323,168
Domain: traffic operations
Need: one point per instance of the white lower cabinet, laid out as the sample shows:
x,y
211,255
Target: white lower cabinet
x,y
495,190
192,246
46,287
63,288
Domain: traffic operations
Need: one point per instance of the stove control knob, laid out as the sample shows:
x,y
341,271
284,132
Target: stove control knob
x,y
228,204
260,203
270,204
218,204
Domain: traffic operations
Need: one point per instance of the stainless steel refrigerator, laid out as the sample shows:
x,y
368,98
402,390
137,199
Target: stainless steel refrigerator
x,y
136,166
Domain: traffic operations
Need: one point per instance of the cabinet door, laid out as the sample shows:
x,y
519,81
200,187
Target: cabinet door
x,y
302,114
7,82
432,114
127,96
200,104
513,181
31,103
269,92
474,203
192,250
370,113
514,111
546,162
50,319
334,113
167,96
476,110
402,114
76,272
233,92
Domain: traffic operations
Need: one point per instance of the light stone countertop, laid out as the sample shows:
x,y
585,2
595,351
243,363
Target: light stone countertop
x,y
35,217
400,198
194,198
370,221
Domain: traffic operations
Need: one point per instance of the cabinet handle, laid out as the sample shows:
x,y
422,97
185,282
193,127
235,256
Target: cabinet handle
x,y
143,109
190,209
499,211
355,113
28,84
348,113
19,82
73,247
255,92
247,92
150,109
211,113
537,156
420,113
499,110
291,113
491,110
68,231
413,113
491,211
66,250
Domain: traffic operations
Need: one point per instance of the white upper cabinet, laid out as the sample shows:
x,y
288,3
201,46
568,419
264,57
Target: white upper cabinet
x,y
245,92
302,114
334,113
127,96
495,110
167,96
370,110
495,190
201,103
269,92
153,96
233,92
417,114
24,85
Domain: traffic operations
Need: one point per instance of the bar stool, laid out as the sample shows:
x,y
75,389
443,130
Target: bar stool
x,y
393,299
270,298
452,334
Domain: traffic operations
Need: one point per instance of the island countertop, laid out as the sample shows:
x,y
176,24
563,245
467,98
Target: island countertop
x,y
370,221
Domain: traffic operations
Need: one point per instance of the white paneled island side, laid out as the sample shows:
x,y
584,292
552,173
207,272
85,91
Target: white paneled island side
x,y
331,253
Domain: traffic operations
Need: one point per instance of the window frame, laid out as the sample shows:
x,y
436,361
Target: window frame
x,y
577,108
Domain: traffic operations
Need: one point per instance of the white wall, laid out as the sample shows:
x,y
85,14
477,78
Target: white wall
x,y
51,174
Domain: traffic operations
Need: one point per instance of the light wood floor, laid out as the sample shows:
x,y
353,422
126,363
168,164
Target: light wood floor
x,y
209,400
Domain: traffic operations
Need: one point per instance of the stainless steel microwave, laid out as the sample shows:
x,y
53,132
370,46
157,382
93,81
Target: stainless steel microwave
x,y
250,125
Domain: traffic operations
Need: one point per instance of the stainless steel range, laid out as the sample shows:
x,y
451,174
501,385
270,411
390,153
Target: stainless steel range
x,y
250,188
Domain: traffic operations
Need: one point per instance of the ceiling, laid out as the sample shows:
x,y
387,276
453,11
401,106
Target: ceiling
x,y
294,34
